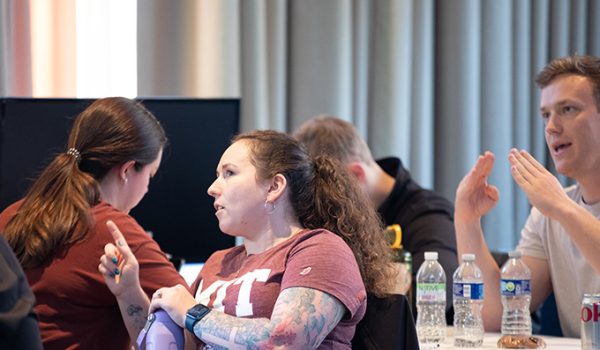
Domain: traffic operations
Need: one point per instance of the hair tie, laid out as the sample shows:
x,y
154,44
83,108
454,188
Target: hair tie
x,y
73,152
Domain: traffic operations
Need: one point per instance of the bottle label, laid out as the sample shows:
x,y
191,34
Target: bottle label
x,y
468,290
514,287
431,291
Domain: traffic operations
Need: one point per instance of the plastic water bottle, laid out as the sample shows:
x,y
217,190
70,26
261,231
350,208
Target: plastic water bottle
x,y
160,332
431,302
468,302
516,296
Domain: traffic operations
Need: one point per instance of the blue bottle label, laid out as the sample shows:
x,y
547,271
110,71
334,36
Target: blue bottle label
x,y
468,290
514,287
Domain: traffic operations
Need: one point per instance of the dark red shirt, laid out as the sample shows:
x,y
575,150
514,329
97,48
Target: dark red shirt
x,y
75,307
248,285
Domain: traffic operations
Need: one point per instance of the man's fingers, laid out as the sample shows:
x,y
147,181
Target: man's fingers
x,y
524,165
518,176
483,166
492,192
488,163
539,167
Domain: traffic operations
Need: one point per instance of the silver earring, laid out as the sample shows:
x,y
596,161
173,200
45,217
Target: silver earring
x,y
270,207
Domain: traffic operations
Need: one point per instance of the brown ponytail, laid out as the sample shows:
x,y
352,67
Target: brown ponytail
x,y
55,212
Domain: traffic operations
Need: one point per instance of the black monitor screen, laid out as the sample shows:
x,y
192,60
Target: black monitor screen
x,y
176,209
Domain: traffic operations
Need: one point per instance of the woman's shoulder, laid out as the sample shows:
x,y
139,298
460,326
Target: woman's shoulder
x,y
319,241
8,212
131,229
104,211
319,236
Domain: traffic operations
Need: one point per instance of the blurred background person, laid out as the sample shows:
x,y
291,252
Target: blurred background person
x,y
425,217
58,230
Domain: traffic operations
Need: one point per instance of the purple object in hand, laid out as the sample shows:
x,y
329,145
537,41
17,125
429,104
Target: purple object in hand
x,y
160,332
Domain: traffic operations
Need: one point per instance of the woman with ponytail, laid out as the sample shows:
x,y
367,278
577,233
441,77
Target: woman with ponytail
x,y
58,230
312,249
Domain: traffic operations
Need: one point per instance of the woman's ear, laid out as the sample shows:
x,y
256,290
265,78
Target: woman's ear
x,y
276,188
125,168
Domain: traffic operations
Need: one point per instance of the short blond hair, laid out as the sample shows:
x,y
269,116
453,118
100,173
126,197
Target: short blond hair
x,y
328,135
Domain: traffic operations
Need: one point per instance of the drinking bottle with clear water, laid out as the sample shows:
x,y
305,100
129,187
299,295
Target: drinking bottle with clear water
x,y
516,296
467,293
431,302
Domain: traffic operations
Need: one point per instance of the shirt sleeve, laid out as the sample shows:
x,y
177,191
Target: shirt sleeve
x,y
326,263
156,270
531,243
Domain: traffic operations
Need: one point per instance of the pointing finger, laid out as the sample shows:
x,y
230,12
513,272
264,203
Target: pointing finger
x,y
116,234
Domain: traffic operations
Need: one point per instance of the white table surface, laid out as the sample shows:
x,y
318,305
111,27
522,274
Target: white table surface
x,y
490,341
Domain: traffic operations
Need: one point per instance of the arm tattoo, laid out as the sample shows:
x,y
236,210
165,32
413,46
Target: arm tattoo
x,y
302,317
137,313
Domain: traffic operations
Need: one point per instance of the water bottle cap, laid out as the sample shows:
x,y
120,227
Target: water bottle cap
x,y
431,255
514,254
468,257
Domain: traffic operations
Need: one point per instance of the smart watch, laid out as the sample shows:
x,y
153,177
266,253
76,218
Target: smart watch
x,y
195,314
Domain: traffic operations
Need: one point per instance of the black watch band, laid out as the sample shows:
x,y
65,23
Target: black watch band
x,y
195,314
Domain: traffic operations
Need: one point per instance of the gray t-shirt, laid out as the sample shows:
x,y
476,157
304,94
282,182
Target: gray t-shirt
x,y
571,274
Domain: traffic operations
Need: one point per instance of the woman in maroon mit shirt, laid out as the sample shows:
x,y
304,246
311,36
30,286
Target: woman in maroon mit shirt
x,y
312,242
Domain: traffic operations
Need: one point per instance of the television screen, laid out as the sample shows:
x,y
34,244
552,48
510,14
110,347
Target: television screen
x,y
177,209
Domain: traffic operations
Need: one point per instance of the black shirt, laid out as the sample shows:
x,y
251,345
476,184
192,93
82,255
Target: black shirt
x,y
427,223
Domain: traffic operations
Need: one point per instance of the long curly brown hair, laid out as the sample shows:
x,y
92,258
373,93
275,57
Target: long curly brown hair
x,y
323,195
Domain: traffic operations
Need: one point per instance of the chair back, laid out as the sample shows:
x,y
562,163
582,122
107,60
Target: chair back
x,y
388,324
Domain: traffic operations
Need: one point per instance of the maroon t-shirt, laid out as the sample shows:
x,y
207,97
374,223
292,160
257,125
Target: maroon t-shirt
x,y
76,309
248,285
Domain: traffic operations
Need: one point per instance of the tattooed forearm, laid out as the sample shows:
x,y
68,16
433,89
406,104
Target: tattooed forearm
x,y
302,317
137,314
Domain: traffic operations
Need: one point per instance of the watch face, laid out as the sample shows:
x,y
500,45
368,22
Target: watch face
x,y
198,311
195,314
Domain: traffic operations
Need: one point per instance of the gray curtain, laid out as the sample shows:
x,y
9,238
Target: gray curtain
x,y
15,48
433,82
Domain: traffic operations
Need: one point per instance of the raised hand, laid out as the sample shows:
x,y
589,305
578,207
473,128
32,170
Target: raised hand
x,y
543,189
118,265
474,196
